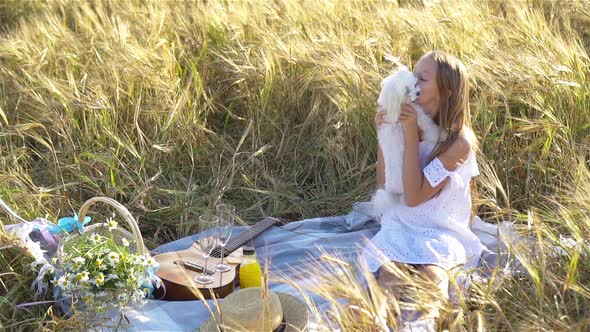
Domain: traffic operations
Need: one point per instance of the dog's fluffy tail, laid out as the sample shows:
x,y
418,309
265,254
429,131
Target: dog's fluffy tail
x,y
383,201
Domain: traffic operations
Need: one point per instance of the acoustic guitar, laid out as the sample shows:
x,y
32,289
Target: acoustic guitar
x,y
178,269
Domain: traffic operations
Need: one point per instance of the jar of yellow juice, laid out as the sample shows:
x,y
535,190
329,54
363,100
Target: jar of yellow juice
x,y
250,271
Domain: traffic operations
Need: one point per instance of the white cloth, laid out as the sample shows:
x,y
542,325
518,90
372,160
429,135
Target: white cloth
x,y
435,232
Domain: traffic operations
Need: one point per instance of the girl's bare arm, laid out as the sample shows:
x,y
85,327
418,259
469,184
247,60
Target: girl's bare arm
x,y
380,168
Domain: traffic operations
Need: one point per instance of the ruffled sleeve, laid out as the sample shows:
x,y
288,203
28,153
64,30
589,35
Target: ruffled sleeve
x,y
435,172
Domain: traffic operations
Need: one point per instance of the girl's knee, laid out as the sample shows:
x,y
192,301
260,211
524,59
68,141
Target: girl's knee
x,y
388,282
438,277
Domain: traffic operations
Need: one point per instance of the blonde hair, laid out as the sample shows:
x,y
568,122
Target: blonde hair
x,y
453,114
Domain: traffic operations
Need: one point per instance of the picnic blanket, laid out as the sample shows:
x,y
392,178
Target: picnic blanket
x,y
293,245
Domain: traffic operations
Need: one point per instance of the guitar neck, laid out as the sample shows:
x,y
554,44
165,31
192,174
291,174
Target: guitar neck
x,y
239,240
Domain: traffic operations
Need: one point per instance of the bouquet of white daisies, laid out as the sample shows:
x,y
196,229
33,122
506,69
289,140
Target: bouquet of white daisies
x,y
99,270
93,269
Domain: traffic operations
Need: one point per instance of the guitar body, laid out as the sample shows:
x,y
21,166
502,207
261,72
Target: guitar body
x,y
179,279
178,269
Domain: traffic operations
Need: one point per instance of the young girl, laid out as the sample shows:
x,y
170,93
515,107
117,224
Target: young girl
x,y
430,233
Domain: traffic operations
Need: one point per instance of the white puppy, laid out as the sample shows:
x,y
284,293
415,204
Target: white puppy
x,y
396,90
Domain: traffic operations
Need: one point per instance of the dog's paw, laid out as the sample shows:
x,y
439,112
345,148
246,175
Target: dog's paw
x,y
444,134
383,201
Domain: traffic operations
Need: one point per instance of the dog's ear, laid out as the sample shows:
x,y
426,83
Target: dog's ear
x,y
393,59
391,94
401,67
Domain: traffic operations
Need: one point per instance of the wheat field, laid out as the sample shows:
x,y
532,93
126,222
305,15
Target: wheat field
x,y
167,106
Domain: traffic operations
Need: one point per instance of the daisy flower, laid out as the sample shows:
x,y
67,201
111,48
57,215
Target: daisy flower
x,y
112,224
94,238
98,262
153,263
125,242
78,263
63,282
113,258
82,278
143,261
99,280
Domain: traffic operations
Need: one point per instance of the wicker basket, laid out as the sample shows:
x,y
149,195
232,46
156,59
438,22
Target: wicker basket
x,y
133,237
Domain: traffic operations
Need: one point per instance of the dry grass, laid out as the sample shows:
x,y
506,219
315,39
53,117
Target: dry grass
x,y
168,106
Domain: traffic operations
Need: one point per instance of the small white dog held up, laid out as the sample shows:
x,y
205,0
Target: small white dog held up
x,y
397,89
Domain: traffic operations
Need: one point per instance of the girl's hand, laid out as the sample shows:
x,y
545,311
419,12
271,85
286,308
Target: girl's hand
x,y
380,119
407,117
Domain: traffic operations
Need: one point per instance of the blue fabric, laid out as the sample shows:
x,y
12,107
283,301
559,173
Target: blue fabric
x,y
293,245
287,246
68,224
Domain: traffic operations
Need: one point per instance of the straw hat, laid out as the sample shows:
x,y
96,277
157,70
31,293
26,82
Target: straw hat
x,y
245,310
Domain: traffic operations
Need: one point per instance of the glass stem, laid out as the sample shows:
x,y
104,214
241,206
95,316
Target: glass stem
x,y
205,268
222,247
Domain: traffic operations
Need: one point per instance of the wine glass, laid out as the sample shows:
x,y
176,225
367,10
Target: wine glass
x,y
207,227
226,214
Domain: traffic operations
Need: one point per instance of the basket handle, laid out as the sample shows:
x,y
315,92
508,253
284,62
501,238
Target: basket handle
x,y
142,250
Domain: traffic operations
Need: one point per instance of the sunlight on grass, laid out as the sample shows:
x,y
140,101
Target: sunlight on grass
x,y
167,106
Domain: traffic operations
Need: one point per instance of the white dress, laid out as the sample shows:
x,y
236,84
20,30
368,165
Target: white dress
x,y
435,232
